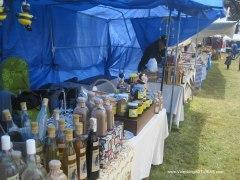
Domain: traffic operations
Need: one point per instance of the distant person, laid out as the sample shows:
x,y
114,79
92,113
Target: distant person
x,y
228,60
234,50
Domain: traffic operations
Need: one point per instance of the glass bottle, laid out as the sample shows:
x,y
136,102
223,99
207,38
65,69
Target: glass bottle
x,y
25,120
56,117
82,111
61,141
76,119
12,130
39,144
80,148
100,114
69,156
109,111
40,166
51,149
17,157
31,172
156,106
90,102
42,118
160,97
55,171
7,165
93,151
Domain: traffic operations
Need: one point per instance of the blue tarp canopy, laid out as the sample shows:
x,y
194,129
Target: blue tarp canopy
x,y
86,39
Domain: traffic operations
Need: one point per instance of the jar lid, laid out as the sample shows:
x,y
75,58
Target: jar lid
x,y
31,146
6,143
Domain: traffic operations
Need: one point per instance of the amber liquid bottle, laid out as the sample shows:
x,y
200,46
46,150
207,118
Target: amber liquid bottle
x,y
61,139
69,157
93,151
80,148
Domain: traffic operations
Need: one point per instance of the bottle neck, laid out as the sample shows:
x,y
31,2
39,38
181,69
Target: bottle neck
x,y
31,158
10,124
35,136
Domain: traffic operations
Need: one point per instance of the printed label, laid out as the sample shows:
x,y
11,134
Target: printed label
x,y
61,146
72,157
83,150
95,144
133,113
95,160
72,171
83,167
15,177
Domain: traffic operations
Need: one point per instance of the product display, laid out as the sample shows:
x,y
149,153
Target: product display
x,y
61,139
42,119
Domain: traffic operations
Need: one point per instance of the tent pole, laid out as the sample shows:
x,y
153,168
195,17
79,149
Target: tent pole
x,y
175,71
196,54
168,30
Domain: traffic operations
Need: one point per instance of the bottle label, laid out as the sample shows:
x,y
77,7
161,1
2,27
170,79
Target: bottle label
x,y
61,146
82,150
95,160
72,171
83,167
72,157
133,113
15,177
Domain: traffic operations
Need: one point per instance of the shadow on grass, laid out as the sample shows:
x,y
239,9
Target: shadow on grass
x,y
181,149
214,85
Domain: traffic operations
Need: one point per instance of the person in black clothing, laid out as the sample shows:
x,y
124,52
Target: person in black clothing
x,y
155,50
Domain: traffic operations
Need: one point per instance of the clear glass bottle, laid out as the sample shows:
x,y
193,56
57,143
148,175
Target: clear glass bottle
x,y
109,110
25,120
61,139
55,171
93,165
82,111
80,148
69,157
42,118
7,165
90,102
56,117
12,129
51,149
17,157
31,172
40,166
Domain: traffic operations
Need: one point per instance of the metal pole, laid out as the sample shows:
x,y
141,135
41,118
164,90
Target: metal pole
x,y
175,70
168,28
196,54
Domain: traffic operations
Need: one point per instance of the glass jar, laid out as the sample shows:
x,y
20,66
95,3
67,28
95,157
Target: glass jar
x,y
132,110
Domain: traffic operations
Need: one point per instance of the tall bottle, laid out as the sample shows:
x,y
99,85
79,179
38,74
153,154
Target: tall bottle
x,y
26,122
61,140
109,110
51,149
99,113
12,129
38,142
82,111
7,165
20,164
80,148
42,119
56,117
55,171
69,157
31,172
93,151
90,102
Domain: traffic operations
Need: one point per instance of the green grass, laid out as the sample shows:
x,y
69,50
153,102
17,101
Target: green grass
x,y
209,138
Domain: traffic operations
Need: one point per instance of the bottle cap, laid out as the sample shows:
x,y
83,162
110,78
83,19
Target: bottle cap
x,y
51,131
16,154
56,114
62,124
45,101
93,124
34,127
31,146
6,143
69,134
7,115
54,164
81,100
23,106
79,128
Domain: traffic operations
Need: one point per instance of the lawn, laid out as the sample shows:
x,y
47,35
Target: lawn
x,y
207,145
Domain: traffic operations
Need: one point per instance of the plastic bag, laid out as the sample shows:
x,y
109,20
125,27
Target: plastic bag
x,y
152,65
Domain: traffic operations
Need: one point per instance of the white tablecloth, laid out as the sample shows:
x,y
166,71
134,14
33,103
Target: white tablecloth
x,y
148,146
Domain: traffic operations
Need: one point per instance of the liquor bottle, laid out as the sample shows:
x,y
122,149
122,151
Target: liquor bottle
x,y
82,111
20,164
90,102
51,149
99,113
69,157
80,148
25,120
61,140
76,119
55,171
31,172
109,111
40,166
56,117
7,165
12,130
38,142
93,151
42,119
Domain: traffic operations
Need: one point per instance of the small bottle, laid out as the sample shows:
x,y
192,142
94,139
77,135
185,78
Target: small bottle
x,y
7,165
32,171
40,166
25,120
100,114
38,142
51,149
56,117
109,111
69,157
156,106
80,148
61,140
17,157
160,97
12,130
55,171
90,102
93,158
82,111
42,118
